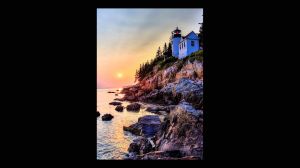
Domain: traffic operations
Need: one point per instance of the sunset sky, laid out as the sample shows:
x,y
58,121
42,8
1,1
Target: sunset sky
x,y
128,37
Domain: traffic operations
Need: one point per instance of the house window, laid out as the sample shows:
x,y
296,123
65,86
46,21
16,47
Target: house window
x,y
192,43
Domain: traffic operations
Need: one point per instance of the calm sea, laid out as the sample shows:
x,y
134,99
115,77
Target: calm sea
x,y
112,141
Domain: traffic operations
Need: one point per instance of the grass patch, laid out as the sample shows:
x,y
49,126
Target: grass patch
x,y
164,64
198,55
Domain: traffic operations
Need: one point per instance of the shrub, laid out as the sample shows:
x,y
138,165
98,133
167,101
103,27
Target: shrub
x,y
164,64
196,56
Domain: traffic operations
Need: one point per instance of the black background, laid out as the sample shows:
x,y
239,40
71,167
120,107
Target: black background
x,y
53,81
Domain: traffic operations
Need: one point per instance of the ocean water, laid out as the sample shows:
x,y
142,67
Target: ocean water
x,y
112,141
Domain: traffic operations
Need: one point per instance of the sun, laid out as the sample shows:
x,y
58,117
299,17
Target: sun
x,y
119,75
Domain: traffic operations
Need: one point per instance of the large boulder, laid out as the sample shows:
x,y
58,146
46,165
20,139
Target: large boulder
x,y
156,108
134,129
160,110
182,130
107,117
115,103
133,107
147,126
141,145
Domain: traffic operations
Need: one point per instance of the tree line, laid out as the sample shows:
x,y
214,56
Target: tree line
x,y
147,67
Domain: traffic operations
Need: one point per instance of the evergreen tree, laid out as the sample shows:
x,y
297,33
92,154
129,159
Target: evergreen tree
x,y
165,49
158,53
136,77
169,50
200,35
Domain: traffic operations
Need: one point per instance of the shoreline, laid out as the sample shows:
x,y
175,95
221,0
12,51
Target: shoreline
x,y
174,91
158,146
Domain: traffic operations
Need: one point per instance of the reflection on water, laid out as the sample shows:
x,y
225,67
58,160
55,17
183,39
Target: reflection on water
x,y
112,141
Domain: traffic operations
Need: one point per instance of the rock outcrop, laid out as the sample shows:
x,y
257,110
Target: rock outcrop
x,y
146,126
119,108
156,108
185,89
160,110
167,155
182,131
133,107
179,136
177,90
107,117
115,103
140,146
169,84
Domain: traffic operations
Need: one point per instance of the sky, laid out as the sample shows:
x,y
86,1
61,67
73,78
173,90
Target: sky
x,y
128,37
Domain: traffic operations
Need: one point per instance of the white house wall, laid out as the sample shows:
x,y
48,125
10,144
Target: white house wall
x,y
183,51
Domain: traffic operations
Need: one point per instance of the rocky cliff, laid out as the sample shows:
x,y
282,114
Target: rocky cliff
x,y
179,87
182,80
179,137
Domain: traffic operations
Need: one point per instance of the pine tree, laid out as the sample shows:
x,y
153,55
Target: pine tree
x,y
165,49
136,76
200,35
158,53
169,50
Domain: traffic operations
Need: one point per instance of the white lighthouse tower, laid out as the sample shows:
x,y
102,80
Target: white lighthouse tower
x,y
175,40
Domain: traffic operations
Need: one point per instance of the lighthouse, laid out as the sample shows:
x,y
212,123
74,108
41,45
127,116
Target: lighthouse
x,y
175,40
